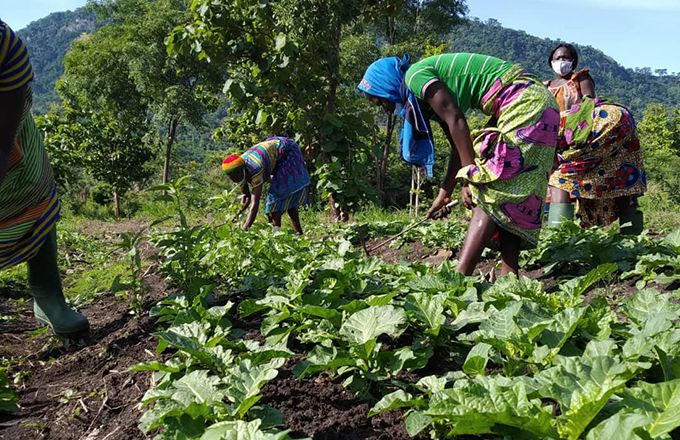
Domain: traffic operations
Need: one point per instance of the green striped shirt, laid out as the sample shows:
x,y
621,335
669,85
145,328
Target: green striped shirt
x,y
467,76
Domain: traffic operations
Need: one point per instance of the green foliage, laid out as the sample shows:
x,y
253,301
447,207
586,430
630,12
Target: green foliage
x,y
659,132
8,398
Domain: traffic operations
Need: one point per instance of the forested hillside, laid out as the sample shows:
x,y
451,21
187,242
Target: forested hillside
x,y
49,38
633,87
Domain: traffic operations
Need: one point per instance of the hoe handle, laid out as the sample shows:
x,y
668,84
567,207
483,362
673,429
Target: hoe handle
x,y
408,228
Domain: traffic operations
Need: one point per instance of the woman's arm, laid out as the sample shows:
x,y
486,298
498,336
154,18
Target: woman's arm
x,y
254,207
455,126
11,109
587,85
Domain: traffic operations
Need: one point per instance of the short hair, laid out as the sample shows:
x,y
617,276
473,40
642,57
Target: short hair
x,y
570,49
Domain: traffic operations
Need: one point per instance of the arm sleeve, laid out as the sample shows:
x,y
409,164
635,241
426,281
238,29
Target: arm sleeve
x,y
419,76
15,66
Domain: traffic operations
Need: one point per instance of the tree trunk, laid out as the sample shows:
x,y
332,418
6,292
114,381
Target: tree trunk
x,y
116,204
172,129
338,212
381,174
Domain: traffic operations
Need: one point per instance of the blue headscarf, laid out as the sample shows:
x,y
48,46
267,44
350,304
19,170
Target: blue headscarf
x,y
385,79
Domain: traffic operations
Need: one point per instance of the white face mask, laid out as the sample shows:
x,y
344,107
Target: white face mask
x,y
562,67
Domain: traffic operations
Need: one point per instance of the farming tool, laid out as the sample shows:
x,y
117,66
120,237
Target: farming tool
x,y
436,215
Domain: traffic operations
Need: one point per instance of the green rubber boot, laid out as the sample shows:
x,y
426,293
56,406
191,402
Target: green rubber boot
x,y
635,220
49,305
559,212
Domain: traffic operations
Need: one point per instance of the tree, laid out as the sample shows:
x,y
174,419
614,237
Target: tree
x,y
176,89
283,62
408,26
103,117
659,132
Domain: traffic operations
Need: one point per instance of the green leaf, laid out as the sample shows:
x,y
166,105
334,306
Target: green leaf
x,y
197,386
416,421
646,304
620,426
394,400
366,325
477,358
476,407
245,382
280,41
673,240
240,430
582,387
659,402
8,398
427,308
578,286
473,314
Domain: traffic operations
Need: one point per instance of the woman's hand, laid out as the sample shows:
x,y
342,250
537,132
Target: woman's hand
x,y
466,196
245,200
438,208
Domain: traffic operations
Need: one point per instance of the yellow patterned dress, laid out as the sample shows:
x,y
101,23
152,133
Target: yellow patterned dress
x,y
599,159
29,206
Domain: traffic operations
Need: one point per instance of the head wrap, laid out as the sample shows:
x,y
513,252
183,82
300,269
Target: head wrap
x,y
384,79
232,163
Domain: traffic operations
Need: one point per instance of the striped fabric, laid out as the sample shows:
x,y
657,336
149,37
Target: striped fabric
x,y
261,160
29,206
15,67
31,233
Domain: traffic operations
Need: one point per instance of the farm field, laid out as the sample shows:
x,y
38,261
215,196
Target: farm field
x,y
217,333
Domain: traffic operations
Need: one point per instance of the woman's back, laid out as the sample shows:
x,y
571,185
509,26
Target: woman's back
x,y
467,75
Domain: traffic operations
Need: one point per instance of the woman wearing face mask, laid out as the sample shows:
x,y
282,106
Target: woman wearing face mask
x,y
569,86
503,169
277,160
599,162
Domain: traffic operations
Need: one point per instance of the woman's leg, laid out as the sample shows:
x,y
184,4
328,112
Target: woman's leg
x,y
49,304
480,230
275,219
510,244
561,207
629,215
295,220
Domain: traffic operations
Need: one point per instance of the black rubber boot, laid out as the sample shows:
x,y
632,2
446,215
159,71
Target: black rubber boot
x,y
633,219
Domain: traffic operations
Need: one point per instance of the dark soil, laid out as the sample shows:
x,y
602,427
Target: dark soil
x,y
83,391
409,252
324,410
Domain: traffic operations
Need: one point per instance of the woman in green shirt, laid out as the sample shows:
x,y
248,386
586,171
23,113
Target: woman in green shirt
x,y
503,169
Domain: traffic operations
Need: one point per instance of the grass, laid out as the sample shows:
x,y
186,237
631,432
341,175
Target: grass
x,y
83,286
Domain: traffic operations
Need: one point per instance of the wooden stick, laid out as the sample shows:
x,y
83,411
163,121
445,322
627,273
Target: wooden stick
x,y
408,228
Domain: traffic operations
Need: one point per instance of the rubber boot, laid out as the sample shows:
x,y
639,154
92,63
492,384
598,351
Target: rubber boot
x,y
635,220
49,305
560,212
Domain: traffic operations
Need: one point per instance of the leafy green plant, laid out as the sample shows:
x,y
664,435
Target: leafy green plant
x,y
8,398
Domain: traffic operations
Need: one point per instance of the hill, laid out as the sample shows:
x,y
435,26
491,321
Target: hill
x,y
634,88
49,38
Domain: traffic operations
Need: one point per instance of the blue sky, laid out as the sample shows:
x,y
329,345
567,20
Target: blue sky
x,y
636,33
